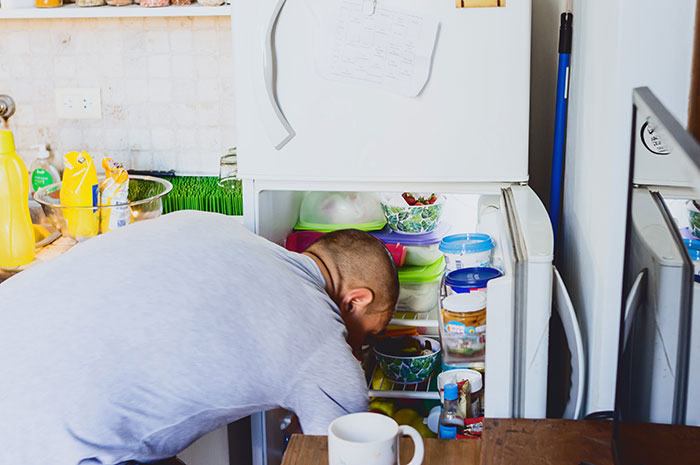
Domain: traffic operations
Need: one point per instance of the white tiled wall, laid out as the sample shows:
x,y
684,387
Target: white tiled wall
x,y
166,85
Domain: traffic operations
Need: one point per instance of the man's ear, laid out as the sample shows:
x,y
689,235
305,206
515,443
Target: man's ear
x,y
356,299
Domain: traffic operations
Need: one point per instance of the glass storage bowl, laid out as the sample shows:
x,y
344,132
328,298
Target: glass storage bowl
x,y
145,201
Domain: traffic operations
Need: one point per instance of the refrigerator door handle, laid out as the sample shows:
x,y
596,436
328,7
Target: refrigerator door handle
x,y
565,308
278,128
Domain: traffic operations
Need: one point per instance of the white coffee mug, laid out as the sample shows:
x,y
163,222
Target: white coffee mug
x,y
369,439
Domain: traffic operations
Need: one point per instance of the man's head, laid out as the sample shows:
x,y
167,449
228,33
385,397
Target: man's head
x,y
361,279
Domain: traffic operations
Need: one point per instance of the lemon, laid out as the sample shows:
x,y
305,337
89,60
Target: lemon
x,y
406,416
379,383
384,406
422,428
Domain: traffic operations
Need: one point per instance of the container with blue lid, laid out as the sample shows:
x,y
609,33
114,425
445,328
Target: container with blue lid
x,y
693,248
421,249
467,250
471,279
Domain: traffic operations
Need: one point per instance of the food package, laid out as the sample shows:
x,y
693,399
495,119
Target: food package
x,y
114,190
79,189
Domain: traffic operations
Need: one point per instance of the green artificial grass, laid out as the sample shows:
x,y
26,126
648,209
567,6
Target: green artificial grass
x,y
193,193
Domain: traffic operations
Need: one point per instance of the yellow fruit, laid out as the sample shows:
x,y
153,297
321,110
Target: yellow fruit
x,y
379,383
406,416
422,428
384,406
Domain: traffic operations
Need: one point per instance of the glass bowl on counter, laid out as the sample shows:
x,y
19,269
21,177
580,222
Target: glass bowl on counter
x,y
145,202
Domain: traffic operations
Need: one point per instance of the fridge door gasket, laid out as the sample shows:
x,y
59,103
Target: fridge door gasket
x,y
519,303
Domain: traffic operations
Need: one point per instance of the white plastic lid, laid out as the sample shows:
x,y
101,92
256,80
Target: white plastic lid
x,y
465,303
457,375
41,151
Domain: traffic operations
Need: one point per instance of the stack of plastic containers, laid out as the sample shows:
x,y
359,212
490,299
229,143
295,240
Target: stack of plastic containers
x,y
422,272
463,309
323,212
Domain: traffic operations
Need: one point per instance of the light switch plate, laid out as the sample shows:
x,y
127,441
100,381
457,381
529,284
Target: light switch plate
x,y
78,103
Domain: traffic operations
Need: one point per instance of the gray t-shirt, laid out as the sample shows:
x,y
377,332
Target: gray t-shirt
x,y
133,344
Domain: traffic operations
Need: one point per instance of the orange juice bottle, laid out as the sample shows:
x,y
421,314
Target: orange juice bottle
x,y
16,232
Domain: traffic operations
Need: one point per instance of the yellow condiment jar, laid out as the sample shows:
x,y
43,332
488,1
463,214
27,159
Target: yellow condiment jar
x,y
464,324
16,232
48,3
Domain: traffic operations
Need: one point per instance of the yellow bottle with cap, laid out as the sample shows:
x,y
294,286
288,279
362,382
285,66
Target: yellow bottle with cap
x,y
16,232
79,189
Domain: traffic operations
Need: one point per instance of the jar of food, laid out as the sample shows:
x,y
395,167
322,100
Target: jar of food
x,y
47,3
463,328
210,2
154,3
228,164
119,2
84,3
180,2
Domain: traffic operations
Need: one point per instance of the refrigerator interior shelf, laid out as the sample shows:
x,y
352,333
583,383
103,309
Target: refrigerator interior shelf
x,y
418,320
425,390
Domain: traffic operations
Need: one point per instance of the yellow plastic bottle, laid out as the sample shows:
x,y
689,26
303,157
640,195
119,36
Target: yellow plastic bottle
x,y
79,189
16,232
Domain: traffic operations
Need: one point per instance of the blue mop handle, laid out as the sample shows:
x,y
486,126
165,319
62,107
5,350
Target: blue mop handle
x,y
555,193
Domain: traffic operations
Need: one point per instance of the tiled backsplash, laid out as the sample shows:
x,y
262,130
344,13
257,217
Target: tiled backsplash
x,y
166,85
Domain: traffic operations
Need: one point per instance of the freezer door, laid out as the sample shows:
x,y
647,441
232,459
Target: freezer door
x,y
469,122
516,365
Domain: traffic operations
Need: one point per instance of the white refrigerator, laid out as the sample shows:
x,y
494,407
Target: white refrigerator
x,y
406,95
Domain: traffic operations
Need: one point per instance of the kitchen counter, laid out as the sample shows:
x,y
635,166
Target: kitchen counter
x,y
56,248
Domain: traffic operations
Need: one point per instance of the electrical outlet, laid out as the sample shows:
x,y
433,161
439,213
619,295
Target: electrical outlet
x,y
78,103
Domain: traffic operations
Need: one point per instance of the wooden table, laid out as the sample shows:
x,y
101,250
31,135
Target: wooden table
x,y
543,442
313,450
505,441
536,442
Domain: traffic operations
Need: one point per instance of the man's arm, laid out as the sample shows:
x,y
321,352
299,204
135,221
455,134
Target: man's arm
x,y
329,386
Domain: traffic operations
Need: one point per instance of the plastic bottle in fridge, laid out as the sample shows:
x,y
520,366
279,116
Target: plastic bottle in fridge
x,y
450,422
16,232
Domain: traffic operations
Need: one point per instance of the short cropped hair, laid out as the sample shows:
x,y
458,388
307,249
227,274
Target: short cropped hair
x,y
362,260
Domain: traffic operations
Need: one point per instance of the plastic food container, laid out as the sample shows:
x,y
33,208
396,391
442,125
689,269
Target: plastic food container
x,y
693,217
421,249
331,211
693,247
419,287
463,326
299,241
471,279
467,250
412,219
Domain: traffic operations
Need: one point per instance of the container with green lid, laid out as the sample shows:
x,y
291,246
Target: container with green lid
x,y
331,211
420,287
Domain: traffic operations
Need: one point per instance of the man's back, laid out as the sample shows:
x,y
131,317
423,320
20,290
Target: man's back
x,y
133,344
